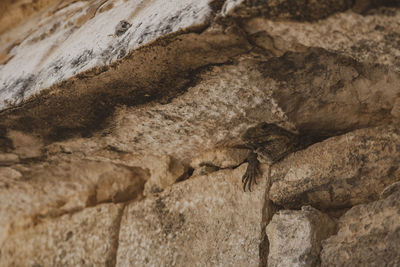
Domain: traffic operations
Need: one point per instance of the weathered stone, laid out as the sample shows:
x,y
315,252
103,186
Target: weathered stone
x,y
364,5
191,124
339,172
51,189
285,10
8,174
143,88
66,35
266,91
295,236
8,158
203,221
85,238
25,146
369,235
12,12
345,94
325,94
373,38
164,172
163,169
390,190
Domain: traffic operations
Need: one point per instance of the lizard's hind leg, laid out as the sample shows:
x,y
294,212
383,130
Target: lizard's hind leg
x,y
253,169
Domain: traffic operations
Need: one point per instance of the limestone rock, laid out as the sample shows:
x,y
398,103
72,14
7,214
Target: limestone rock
x,y
372,38
205,221
25,145
284,10
266,91
51,189
204,170
8,174
164,172
111,101
295,236
66,34
390,190
369,235
191,124
87,237
326,94
339,172
8,158
12,12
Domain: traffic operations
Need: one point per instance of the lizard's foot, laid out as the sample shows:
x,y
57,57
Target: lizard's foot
x,y
251,172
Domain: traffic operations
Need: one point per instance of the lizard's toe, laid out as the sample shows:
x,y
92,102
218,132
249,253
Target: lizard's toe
x,y
250,176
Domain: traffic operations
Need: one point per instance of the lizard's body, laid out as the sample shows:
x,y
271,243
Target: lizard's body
x,y
269,143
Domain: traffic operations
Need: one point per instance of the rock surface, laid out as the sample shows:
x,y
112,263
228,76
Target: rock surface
x,y
339,172
143,102
295,236
191,224
164,172
52,189
369,235
66,36
88,237
372,38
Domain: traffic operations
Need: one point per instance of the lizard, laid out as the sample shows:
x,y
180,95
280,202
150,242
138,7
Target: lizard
x,y
268,143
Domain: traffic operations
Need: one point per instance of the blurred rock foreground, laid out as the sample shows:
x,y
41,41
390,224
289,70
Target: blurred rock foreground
x,y
119,121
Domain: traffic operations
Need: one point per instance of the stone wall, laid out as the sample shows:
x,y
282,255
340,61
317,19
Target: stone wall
x,y
121,125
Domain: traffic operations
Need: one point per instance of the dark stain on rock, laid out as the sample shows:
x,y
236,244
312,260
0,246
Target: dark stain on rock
x,y
364,6
171,222
83,59
135,189
393,170
20,87
6,144
336,87
121,53
69,235
122,27
314,82
216,5
298,10
379,28
46,34
393,38
81,105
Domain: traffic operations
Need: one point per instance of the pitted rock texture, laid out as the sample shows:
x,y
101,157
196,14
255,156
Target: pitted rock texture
x,y
66,40
325,93
168,172
369,235
84,238
295,236
190,224
284,10
58,187
220,107
371,38
120,101
157,72
339,172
